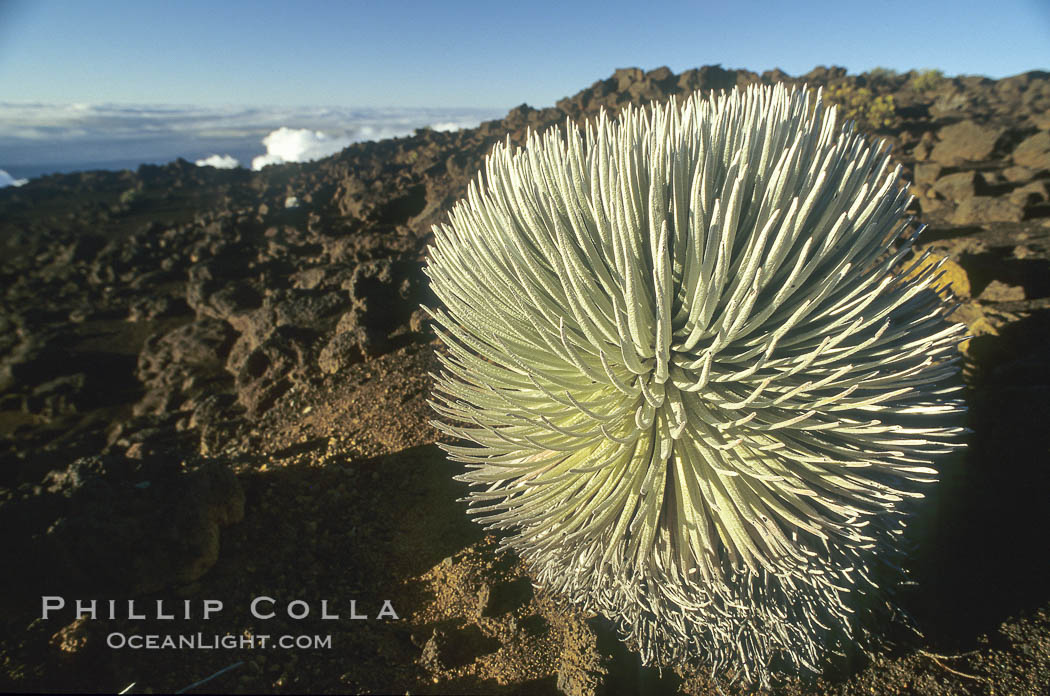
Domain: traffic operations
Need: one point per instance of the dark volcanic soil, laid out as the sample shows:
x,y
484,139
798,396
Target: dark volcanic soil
x,y
208,392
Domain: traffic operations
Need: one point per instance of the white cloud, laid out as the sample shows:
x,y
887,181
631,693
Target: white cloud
x,y
8,180
298,145
219,162
453,125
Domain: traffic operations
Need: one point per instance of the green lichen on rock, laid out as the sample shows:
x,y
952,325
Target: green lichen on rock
x,y
927,80
860,104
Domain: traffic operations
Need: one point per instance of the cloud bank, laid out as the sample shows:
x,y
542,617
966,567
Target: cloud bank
x,y
39,138
8,180
219,162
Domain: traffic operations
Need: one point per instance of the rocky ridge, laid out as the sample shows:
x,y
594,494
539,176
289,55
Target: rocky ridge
x,y
189,355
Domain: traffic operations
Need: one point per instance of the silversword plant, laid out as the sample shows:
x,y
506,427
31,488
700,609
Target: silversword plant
x,y
690,373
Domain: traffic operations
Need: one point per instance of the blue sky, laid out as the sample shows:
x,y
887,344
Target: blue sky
x,y
476,54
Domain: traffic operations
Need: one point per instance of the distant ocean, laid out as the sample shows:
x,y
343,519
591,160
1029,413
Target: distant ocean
x,y
39,139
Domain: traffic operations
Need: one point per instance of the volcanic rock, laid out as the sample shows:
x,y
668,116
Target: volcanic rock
x,y
965,140
981,209
1034,152
958,187
112,524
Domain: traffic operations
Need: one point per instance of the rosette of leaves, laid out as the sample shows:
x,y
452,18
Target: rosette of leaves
x,y
690,376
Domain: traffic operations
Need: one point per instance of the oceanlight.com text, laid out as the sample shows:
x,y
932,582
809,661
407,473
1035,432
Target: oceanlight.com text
x,y
210,641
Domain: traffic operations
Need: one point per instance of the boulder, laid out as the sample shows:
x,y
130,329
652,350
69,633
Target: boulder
x,y
210,293
1034,152
182,363
1032,193
998,291
1017,174
343,350
264,372
385,295
980,209
958,187
927,172
965,140
117,526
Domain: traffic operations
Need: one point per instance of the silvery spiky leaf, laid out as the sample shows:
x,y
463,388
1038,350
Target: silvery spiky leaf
x,y
695,380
